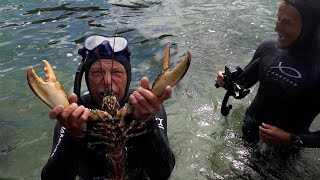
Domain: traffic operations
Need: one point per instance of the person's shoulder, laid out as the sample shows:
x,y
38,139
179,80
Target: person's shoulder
x,y
268,43
267,46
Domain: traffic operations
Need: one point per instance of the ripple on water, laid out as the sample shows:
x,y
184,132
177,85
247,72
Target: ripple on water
x,y
218,33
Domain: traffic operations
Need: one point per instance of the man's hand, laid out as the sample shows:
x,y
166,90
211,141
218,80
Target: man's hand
x,y
274,136
220,78
73,117
145,103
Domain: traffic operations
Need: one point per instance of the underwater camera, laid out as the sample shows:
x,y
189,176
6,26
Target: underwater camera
x,y
231,75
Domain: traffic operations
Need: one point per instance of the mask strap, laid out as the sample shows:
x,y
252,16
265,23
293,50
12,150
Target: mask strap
x,y
114,42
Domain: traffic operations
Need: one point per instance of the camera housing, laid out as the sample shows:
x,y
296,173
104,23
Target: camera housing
x,y
231,75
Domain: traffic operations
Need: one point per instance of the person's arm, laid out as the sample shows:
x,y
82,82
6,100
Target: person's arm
x,y
276,136
158,158
310,139
259,63
67,144
248,77
64,158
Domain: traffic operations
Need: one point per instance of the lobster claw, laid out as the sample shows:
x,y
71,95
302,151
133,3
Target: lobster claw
x,y
49,90
167,77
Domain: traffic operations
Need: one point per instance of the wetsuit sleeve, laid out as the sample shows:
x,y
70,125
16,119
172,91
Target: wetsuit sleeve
x,y
311,139
250,75
154,149
63,161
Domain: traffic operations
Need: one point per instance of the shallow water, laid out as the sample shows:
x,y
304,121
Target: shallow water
x,y
217,33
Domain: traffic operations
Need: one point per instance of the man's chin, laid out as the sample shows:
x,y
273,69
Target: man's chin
x,y
282,45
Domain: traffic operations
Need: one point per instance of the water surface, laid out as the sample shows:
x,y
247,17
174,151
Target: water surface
x,y
217,33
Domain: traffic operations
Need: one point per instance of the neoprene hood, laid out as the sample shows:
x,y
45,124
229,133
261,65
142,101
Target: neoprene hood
x,y
104,51
310,14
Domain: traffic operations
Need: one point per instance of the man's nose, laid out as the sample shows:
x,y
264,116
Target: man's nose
x,y
108,80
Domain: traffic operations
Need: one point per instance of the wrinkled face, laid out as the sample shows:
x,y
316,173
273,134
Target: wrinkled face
x,y
288,26
100,77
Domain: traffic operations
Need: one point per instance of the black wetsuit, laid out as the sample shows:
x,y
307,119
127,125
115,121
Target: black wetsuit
x,y
149,156
288,95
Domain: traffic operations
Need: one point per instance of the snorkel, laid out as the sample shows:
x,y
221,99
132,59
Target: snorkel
x,y
98,47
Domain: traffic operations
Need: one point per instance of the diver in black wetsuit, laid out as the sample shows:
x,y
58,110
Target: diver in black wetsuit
x,y
288,72
148,156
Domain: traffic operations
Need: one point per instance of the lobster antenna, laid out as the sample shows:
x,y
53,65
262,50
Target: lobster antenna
x,y
104,82
114,42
